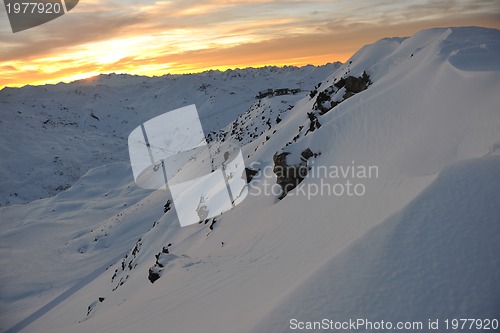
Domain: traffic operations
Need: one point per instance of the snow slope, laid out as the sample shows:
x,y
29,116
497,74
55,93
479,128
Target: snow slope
x,y
49,138
418,244
435,258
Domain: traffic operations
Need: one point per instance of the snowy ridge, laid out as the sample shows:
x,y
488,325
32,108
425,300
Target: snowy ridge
x,y
51,135
418,244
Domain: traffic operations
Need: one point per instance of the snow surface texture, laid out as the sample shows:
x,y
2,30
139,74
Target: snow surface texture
x,y
419,244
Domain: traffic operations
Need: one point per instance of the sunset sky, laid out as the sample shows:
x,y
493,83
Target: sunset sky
x,y
157,37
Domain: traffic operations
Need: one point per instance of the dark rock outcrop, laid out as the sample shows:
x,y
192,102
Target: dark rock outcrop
x,y
314,122
352,86
250,173
154,274
167,206
357,84
289,176
307,154
211,227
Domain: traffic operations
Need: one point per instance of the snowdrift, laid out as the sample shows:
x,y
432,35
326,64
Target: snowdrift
x,y
417,244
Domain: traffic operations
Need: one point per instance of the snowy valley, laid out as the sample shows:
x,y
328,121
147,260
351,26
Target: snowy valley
x,y
396,217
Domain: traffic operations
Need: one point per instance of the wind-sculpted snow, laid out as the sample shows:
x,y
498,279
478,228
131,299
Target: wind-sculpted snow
x,y
417,243
435,258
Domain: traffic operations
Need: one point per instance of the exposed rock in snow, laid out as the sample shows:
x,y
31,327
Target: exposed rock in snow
x,y
289,176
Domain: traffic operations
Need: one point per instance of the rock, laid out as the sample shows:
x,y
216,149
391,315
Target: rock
x,y
307,154
212,224
348,94
340,84
289,176
167,206
314,122
153,275
357,84
250,173
352,86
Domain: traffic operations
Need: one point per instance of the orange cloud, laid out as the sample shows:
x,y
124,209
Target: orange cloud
x,y
158,37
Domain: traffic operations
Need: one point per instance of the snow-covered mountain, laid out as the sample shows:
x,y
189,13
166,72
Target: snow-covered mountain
x,y
396,220
50,138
